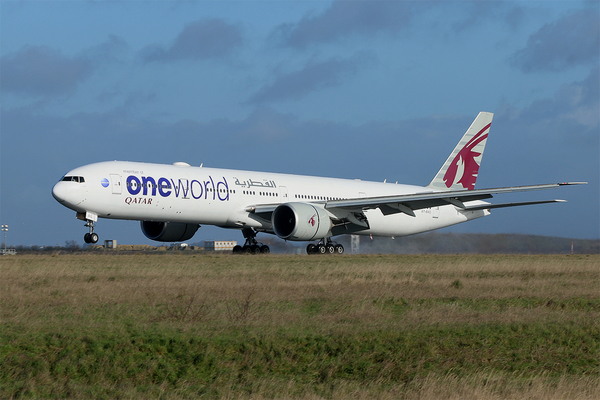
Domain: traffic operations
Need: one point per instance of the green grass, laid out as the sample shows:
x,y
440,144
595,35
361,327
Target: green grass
x,y
100,363
216,326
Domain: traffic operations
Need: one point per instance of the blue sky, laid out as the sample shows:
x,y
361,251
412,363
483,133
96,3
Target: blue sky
x,y
370,90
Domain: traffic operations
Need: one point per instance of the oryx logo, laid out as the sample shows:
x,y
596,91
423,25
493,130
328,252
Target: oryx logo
x,y
312,220
464,168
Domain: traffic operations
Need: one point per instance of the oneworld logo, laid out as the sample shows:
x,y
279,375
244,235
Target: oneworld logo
x,y
104,182
182,188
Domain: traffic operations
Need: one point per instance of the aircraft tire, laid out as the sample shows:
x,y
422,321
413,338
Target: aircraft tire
x,y
94,237
311,249
237,249
339,249
265,249
86,238
321,249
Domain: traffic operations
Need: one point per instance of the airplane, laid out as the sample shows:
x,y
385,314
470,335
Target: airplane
x,y
173,201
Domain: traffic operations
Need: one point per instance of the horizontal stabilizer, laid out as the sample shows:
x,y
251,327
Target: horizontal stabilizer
x,y
504,205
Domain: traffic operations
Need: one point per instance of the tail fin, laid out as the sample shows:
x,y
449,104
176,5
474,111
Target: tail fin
x,y
461,168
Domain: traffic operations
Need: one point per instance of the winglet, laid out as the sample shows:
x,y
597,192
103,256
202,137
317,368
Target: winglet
x,y
572,183
460,170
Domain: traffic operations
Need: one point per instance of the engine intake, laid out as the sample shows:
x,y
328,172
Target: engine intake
x,y
301,221
168,231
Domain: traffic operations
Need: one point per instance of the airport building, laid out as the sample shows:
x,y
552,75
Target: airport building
x,y
219,245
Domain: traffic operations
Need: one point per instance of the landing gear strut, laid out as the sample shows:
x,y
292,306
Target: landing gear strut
x,y
91,237
325,246
251,246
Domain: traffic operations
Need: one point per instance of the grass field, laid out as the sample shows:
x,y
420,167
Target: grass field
x,y
178,326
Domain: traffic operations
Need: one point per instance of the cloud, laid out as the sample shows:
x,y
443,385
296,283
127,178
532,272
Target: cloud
x,y
200,40
571,41
264,123
314,76
40,70
482,12
554,137
115,49
345,18
576,104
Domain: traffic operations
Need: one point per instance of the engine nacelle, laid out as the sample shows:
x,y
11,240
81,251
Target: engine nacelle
x,y
301,221
168,231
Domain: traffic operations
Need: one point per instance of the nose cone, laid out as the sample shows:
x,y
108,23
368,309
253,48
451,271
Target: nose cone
x,y
59,192
69,194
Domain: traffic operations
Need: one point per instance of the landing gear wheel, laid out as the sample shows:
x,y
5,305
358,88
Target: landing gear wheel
x,y
237,249
93,237
325,246
90,237
251,246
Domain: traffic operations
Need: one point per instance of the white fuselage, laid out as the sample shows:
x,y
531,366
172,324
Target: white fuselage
x,y
222,197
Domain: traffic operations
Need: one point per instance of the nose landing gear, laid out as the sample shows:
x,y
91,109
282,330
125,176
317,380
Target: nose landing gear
x,y
91,237
89,218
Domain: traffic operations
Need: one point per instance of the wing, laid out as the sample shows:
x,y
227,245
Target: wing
x,y
409,203
349,212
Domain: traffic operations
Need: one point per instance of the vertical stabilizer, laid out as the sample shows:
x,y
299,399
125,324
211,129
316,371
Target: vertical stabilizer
x,y
461,168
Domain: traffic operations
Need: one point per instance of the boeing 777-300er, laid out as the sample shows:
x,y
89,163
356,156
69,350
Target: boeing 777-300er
x,y
173,201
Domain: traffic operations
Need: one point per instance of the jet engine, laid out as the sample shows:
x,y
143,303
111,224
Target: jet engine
x,y
300,221
168,231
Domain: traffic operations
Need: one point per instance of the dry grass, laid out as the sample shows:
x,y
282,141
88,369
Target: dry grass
x,y
362,287
295,296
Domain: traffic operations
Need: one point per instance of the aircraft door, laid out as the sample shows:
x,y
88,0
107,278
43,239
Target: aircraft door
x,y
283,193
115,181
184,187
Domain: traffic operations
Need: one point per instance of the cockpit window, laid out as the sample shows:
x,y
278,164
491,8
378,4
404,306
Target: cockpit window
x,y
73,179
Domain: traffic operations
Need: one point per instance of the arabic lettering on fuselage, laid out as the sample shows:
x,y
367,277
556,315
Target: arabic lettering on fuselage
x,y
180,187
251,183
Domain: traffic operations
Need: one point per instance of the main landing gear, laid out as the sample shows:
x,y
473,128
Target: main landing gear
x,y
325,246
251,246
91,237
